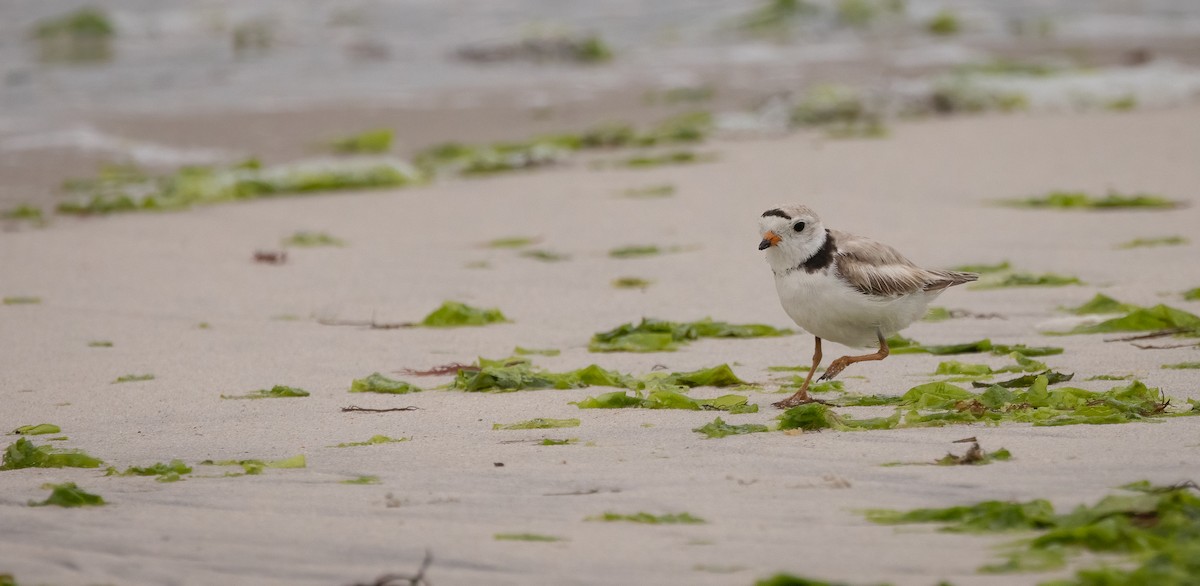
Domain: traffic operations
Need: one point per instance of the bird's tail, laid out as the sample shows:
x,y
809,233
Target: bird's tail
x,y
947,279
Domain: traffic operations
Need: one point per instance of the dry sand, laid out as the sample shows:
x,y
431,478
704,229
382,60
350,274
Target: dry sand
x,y
774,502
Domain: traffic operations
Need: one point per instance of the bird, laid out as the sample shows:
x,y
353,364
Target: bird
x,y
844,288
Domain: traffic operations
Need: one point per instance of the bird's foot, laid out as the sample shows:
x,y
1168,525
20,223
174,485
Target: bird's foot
x,y
835,368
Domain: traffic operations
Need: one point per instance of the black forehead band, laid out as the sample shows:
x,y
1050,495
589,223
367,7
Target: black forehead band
x,y
776,212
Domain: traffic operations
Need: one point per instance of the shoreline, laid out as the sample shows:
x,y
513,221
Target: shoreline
x,y
773,501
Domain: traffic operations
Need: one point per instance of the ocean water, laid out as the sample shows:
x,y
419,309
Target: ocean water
x,y
177,55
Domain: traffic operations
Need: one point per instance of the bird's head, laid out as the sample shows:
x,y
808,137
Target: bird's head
x,y
791,234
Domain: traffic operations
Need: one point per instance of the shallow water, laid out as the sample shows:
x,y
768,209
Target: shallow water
x,y
177,55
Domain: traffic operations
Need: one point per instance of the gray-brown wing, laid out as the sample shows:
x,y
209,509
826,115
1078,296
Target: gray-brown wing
x,y
878,269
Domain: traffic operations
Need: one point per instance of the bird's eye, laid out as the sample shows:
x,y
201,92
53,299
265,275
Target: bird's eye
x,y
799,226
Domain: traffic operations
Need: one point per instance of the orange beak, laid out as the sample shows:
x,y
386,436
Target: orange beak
x,y
769,239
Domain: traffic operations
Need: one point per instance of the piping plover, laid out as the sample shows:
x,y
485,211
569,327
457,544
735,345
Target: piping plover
x,y
844,288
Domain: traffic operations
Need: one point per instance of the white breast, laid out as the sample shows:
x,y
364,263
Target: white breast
x,y
829,308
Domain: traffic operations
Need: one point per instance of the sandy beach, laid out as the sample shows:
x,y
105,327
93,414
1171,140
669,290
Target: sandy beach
x,y
773,502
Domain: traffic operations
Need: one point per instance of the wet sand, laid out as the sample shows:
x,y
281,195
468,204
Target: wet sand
x,y
773,501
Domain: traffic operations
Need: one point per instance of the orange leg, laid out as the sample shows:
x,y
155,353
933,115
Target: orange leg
x,y
801,396
840,364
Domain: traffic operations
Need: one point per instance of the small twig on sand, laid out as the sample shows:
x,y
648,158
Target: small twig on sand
x,y
582,492
1158,334
960,313
1165,346
362,323
965,440
417,579
270,257
441,369
369,410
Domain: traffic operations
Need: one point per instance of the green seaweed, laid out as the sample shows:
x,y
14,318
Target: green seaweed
x,y
654,335
901,345
248,180
22,300
526,537
308,239
1101,303
840,110
636,251
133,378
1145,319
984,269
169,472
667,399
545,255
1151,242
548,150
650,192
68,494
942,403
631,283
537,423
39,429
1027,351
558,442
1122,104
23,212
774,17
1178,366
961,368
662,159
519,351
944,24
936,314
512,242
1023,364
520,375
815,416
84,22
1006,280
866,400
717,428
1075,200
374,440
1024,381
649,519
378,383
792,580
592,49
372,142
859,13
364,479
1154,535
478,160
454,314
24,454
717,376
984,517
253,467
1009,67
275,392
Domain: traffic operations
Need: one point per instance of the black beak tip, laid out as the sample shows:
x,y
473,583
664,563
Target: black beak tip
x,y
765,244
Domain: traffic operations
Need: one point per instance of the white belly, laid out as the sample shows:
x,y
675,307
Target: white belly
x,y
830,309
